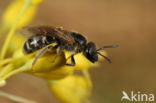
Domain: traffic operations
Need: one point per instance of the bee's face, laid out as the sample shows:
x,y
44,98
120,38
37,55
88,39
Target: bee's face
x,y
90,52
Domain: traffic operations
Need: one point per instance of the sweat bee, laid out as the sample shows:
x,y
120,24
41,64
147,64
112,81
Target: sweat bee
x,y
65,40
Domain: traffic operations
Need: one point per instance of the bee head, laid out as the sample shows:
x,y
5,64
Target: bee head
x,y
91,53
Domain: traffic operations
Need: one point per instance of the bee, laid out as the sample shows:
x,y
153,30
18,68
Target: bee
x,y
70,41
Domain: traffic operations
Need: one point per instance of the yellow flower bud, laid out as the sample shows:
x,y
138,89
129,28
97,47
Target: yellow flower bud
x,y
16,42
10,14
72,89
47,69
35,2
82,63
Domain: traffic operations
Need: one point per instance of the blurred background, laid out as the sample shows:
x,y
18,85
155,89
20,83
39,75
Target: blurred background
x,y
128,23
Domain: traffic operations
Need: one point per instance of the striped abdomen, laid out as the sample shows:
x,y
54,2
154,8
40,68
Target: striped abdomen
x,y
36,42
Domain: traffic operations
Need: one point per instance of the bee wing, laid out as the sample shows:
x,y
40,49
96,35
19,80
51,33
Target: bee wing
x,y
40,30
52,31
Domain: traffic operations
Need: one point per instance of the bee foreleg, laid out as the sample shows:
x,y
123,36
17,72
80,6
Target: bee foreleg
x,y
41,53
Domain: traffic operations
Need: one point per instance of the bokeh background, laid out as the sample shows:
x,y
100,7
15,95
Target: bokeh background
x,y
128,23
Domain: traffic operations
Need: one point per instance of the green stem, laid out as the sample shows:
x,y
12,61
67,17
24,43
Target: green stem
x,y
6,69
27,3
6,61
3,29
15,71
15,98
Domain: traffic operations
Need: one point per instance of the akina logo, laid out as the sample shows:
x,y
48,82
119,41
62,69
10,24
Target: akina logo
x,y
137,97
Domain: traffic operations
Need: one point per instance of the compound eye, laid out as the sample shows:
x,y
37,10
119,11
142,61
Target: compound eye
x,y
90,52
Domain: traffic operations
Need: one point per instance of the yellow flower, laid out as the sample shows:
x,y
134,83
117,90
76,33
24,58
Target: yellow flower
x,y
43,68
35,2
60,77
72,89
18,14
46,69
83,63
16,42
10,14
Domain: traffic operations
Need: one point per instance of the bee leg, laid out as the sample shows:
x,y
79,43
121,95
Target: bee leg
x,y
72,61
58,53
41,53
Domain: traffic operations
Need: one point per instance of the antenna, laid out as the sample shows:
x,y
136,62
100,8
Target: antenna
x,y
105,57
109,46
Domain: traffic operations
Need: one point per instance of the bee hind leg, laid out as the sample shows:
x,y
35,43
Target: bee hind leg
x,y
58,53
41,53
